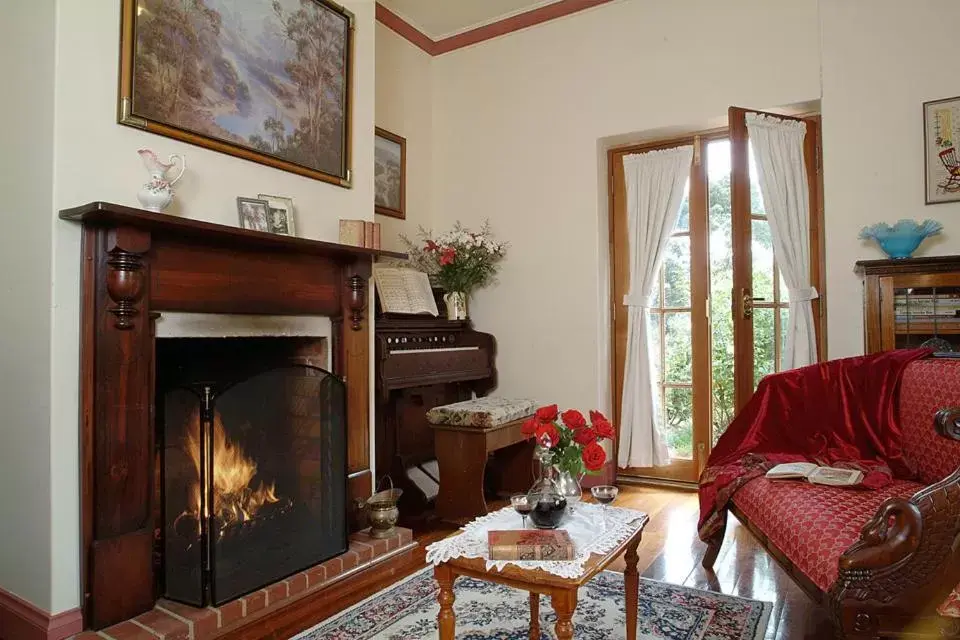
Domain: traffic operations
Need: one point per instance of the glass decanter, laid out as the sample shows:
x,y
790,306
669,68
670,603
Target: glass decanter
x,y
549,504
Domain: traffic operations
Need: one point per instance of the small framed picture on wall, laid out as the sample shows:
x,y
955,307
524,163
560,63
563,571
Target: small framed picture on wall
x,y
941,126
390,174
280,219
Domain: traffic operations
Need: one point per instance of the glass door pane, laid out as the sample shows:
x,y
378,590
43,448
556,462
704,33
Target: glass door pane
x,y
770,300
721,286
673,322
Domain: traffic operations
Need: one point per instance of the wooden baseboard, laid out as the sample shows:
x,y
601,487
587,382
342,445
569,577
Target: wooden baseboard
x,y
20,620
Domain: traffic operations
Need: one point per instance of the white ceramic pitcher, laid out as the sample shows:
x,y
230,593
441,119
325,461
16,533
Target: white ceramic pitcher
x,y
157,194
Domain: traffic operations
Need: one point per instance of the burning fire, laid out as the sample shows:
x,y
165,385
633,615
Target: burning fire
x,y
234,500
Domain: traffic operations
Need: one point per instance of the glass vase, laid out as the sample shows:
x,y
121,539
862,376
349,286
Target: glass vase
x,y
549,504
569,485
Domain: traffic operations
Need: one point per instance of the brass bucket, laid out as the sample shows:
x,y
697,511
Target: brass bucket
x,y
382,512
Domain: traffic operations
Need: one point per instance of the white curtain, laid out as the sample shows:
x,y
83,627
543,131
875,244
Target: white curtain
x,y
655,181
778,147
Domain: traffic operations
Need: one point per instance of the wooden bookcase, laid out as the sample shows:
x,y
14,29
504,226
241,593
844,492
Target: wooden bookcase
x,y
908,302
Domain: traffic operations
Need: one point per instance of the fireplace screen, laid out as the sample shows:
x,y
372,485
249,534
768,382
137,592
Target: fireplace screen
x,y
254,468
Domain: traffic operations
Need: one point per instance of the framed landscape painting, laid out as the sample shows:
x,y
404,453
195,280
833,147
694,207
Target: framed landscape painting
x,y
390,174
264,80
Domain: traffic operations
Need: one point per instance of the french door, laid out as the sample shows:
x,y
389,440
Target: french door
x,y
719,310
760,297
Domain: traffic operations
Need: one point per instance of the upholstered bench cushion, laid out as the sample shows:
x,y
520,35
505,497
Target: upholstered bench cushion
x,y
813,524
482,412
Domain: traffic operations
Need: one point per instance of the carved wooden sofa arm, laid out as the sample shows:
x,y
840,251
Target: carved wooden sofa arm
x,y
907,560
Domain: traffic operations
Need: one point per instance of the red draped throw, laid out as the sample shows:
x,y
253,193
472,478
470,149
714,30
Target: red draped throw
x,y
841,413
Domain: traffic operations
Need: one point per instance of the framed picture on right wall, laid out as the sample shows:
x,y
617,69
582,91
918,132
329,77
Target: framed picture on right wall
x,y
941,126
390,174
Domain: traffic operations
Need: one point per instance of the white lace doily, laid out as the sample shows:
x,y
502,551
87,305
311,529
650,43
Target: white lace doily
x,y
585,526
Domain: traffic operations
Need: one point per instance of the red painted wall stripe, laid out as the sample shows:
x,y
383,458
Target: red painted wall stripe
x,y
486,32
404,29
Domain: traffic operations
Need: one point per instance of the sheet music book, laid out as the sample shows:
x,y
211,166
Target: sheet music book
x,y
404,291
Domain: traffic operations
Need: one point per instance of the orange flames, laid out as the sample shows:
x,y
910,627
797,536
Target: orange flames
x,y
234,500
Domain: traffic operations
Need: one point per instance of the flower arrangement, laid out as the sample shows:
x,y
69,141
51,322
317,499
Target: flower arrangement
x,y
459,260
575,444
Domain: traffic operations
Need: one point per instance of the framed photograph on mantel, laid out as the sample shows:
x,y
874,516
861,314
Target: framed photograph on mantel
x,y
390,174
941,126
263,80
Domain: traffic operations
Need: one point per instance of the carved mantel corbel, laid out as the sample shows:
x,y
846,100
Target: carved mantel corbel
x,y
126,275
357,300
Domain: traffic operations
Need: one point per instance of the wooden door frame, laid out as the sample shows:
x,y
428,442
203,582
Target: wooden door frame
x,y
742,235
618,249
699,293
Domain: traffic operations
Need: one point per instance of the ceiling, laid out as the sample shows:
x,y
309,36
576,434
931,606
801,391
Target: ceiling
x,y
438,19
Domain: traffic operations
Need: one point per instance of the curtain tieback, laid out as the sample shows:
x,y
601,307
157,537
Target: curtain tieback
x,y
804,294
635,300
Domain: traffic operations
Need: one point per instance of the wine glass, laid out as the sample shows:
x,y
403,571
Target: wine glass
x,y
604,494
522,504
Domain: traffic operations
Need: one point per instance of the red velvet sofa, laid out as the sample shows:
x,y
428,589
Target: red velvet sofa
x,y
882,561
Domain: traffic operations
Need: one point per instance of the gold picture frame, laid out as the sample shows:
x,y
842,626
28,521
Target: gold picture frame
x,y
243,105
390,174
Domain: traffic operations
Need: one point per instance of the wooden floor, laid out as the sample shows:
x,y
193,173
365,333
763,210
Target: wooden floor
x,y
671,552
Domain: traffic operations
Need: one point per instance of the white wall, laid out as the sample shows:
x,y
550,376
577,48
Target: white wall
x,y
881,60
27,41
96,160
404,106
517,124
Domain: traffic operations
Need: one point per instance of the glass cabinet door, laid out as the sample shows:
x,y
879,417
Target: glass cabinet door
x,y
922,311
927,316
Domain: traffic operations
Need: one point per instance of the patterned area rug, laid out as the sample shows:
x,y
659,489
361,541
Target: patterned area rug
x,y
487,611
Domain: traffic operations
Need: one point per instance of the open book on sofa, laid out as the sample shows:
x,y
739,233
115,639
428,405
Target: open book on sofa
x,y
816,474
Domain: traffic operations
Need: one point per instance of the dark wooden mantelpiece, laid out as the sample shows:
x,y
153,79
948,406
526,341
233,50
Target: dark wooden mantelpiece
x,y
137,265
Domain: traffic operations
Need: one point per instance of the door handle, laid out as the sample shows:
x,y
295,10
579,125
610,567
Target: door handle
x,y
746,302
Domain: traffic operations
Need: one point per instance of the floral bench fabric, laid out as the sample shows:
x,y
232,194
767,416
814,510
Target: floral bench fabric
x,y
482,412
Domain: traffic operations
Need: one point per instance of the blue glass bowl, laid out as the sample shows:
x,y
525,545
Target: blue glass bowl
x,y
903,238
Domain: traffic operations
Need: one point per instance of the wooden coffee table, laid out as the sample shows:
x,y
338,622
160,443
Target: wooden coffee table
x,y
562,591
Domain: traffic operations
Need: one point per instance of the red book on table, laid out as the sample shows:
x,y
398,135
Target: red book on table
x,y
530,544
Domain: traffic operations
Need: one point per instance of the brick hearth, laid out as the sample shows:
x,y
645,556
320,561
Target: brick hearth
x,y
175,621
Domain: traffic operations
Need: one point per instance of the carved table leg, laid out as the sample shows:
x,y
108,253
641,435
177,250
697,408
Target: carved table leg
x,y
564,604
534,616
446,619
631,581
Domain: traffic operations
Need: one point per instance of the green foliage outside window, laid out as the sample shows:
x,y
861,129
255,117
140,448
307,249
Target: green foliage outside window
x,y
677,418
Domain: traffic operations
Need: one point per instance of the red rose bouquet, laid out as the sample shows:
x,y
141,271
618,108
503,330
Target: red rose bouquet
x,y
575,444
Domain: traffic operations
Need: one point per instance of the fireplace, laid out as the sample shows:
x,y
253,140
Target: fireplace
x,y
251,436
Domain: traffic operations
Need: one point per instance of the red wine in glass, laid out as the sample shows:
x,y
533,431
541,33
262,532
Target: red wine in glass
x,y
604,494
523,505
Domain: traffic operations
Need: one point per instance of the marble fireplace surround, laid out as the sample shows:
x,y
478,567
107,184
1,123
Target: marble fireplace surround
x,y
138,266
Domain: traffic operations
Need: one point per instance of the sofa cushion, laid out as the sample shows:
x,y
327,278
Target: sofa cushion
x,y
813,524
927,386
